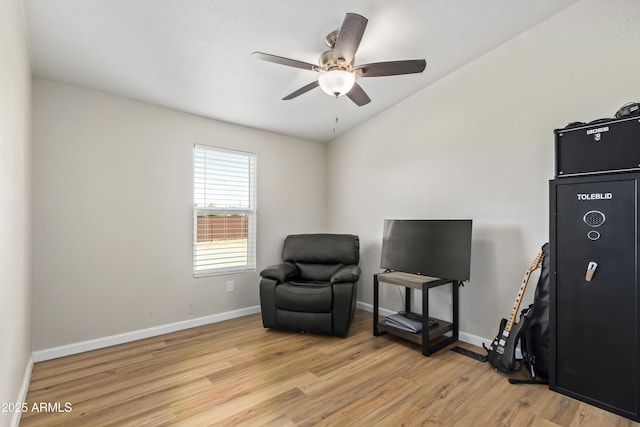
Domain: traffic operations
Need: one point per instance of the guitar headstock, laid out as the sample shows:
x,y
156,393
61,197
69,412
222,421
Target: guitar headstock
x,y
536,262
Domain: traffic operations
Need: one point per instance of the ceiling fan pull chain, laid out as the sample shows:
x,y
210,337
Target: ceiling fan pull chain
x,y
336,121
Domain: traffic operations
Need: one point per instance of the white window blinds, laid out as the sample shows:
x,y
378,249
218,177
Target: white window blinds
x,y
224,218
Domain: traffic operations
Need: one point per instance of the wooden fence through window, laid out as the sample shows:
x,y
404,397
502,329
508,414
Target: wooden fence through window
x,y
221,227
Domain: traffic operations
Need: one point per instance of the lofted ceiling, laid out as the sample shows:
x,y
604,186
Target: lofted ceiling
x,y
195,55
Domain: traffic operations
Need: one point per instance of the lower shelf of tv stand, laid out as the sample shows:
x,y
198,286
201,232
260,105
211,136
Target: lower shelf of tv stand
x,y
432,339
435,331
436,338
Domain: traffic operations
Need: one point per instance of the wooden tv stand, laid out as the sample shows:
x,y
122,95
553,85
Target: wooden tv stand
x,y
430,338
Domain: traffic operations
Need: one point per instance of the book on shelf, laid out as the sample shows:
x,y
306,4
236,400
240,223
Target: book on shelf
x,y
401,321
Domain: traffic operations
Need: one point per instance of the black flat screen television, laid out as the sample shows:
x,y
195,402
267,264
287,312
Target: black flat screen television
x,y
434,248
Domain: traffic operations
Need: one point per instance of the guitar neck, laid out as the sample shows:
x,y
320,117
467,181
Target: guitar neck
x,y
516,305
523,287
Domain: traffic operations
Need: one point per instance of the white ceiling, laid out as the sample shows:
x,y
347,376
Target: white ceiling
x,y
195,55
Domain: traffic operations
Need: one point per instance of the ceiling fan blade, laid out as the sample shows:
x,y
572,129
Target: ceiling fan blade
x,y
391,68
349,37
358,95
303,89
284,61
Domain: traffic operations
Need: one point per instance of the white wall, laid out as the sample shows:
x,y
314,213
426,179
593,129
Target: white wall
x,y
112,181
479,144
15,206
113,213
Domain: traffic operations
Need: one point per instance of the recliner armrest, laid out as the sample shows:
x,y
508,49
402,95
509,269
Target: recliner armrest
x,y
280,272
348,273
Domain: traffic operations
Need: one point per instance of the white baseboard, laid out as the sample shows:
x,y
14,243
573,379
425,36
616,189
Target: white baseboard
x,y
462,336
22,394
368,307
473,339
80,347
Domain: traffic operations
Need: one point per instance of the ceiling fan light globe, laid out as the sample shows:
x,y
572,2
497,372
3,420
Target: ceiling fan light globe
x,y
336,82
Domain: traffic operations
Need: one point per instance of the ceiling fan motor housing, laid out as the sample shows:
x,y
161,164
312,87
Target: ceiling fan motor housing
x,y
328,62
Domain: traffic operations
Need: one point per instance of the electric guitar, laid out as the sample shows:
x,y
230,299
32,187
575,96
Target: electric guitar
x,y
502,353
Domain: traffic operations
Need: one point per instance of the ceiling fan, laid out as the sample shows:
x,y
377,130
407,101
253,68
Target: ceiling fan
x,y
337,69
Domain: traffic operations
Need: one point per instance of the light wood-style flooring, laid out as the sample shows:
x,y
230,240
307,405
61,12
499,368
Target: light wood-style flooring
x,y
237,373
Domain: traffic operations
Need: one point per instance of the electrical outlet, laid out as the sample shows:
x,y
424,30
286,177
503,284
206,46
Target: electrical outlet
x,y
230,286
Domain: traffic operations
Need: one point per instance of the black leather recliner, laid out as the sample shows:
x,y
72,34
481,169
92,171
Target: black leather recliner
x,y
314,288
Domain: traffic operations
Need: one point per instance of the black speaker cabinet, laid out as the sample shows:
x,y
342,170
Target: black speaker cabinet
x,y
594,317
606,146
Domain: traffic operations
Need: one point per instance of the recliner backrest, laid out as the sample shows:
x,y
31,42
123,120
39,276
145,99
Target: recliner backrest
x,y
319,256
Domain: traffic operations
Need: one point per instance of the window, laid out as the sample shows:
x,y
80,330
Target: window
x,y
224,211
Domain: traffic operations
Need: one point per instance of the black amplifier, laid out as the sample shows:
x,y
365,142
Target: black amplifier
x,y
607,145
